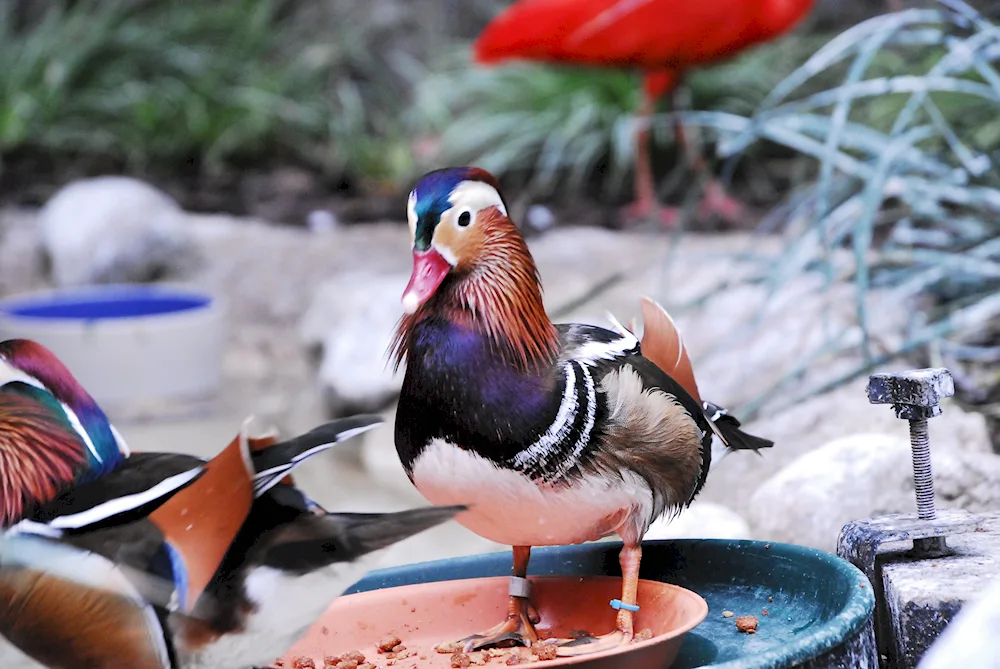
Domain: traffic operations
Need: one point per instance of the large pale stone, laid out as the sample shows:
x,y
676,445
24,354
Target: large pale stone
x,y
115,229
702,520
814,422
812,498
351,323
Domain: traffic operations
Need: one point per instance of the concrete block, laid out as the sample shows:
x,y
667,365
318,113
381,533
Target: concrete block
x,y
922,596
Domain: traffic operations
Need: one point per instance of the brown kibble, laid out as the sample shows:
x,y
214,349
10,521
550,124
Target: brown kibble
x,y
460,659
765,612
728,614
398,648
747,624
544,651
450,647
387,643
513,659
643,635
303,662
346,664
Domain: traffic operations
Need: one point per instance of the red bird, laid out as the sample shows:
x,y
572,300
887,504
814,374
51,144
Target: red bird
x,y
663,38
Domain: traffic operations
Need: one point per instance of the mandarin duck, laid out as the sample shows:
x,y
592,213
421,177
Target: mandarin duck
x,y
550,434
41,402
169,561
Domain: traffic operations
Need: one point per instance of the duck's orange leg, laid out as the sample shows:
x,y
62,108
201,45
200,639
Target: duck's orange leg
x,y
519,626
629,558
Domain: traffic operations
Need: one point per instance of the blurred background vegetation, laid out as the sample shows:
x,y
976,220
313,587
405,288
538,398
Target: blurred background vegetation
x,y
869,137
218,101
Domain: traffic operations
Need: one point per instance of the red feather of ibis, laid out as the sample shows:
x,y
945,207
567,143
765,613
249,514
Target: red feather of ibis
x,y
662,344
201,521
646,34
39,455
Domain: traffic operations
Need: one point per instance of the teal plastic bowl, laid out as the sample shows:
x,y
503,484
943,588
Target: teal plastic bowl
x,y
818,605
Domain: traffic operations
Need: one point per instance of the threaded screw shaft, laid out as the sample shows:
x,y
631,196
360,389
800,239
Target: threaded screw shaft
x,y
923,480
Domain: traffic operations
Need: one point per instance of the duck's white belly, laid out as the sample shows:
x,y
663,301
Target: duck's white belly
x,y
509,508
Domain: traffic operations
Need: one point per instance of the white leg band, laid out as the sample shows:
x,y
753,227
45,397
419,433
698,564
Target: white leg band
x,y
519,587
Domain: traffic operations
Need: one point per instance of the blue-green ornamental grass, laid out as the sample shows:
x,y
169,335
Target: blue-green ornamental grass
x,y
907,179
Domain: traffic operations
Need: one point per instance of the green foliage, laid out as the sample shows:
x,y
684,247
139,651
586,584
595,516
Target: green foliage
x,y
906,147
559,125
209,84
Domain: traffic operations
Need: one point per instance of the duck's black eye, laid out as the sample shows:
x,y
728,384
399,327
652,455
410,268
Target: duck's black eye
x,y
464,218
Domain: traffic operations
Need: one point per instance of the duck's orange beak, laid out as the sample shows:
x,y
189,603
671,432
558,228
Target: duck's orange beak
x,y
429,270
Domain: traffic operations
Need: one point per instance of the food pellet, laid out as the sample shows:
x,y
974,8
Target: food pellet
x,y
513,659
449,647
387,643
460,659
728,614
747,624
544,651
644,635
303,663
765,612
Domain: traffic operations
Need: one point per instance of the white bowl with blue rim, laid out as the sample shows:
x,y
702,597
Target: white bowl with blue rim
x,y
138,349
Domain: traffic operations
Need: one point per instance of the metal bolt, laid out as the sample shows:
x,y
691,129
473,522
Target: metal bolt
x,y
916,397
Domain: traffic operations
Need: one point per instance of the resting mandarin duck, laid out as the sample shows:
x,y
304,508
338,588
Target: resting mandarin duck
x,y
551,434
169,561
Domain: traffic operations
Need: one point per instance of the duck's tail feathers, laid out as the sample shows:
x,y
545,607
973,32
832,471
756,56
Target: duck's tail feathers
x,y
277,461
727,428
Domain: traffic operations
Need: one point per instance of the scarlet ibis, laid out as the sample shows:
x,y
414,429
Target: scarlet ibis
x,y
662,38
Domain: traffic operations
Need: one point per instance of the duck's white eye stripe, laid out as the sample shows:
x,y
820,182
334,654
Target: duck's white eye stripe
x,y
476,195
411,208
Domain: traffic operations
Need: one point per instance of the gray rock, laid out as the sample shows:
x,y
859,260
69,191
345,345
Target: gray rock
x,y
351,323
22,256
839,413
862,475
702,520
115,229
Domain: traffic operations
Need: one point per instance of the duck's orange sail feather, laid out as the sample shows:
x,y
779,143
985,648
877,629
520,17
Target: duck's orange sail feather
x,y
662,344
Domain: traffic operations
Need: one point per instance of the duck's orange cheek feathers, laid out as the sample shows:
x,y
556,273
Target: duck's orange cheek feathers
x,y
429,270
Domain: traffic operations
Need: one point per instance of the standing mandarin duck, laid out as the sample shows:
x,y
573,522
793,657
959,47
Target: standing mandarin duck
x,y
169,561
551,434
662,38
